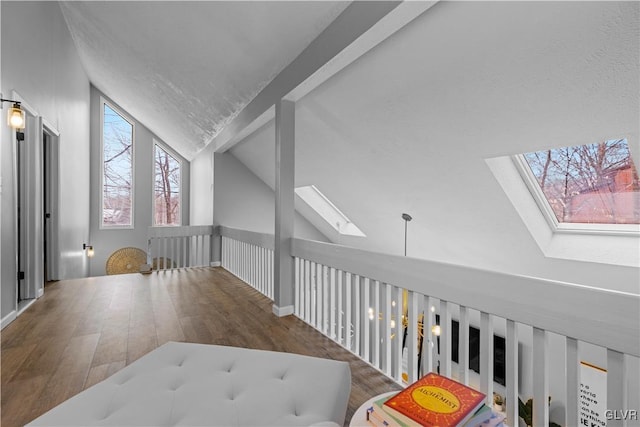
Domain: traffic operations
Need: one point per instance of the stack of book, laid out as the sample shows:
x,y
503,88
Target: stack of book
x,y
433,401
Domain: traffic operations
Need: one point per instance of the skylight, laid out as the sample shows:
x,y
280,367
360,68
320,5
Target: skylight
x,y
328,211
586,184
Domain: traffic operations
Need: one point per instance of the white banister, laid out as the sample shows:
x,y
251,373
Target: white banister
x,y
179,247
357,298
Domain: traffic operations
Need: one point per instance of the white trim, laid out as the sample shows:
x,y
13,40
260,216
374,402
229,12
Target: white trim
x,y
27,305
131,121
215,264
6,320
40,293
282,311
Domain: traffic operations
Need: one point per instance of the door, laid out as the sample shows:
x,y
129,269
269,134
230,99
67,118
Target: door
x,y
50,171
30,224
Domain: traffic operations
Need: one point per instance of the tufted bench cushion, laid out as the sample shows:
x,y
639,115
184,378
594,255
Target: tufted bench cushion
x,y
185,384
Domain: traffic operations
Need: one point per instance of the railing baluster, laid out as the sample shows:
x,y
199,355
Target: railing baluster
x,y
486,355
399,332
445,338
616,387
332,303
319,296
387,331
512,373
572,382
348,308
325,301
463,345
341,287
357,309
412,336
365,320
376,325
540,377
307,293
427,345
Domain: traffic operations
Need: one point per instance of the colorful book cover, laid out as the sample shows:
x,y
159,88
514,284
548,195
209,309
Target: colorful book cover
x,y
435,400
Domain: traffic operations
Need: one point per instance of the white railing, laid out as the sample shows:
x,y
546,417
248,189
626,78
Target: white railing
x,y
370,303
249,256
179,247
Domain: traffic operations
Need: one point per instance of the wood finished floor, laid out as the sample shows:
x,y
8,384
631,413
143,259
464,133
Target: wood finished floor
x,y
82,331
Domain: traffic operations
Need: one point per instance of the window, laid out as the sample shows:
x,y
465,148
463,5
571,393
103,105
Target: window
x,y
586,184
117,169
328,211
166,197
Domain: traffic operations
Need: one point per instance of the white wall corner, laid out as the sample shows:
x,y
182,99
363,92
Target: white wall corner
x,y
215,264
282,311
40,292
8,319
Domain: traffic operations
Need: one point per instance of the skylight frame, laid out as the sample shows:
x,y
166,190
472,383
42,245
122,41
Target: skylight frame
x,y
352,229
556,226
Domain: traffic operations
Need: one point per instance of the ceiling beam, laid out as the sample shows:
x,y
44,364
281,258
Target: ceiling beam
x,y
359,28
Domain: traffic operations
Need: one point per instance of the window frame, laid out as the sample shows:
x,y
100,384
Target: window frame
x,y
299,192
178,158
556,226
129,120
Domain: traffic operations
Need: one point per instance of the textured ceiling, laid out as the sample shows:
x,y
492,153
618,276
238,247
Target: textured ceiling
x,y
185,69
407,128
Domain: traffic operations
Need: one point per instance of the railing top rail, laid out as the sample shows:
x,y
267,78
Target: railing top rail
x,y
606,318
255,238
180,231
602,317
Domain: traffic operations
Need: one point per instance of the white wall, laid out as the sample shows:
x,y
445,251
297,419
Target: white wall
x,y
202,187
244,201
106,241
40,62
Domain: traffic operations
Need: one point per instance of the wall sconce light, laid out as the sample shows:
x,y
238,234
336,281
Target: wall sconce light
x,y
15,115
89,249
435,330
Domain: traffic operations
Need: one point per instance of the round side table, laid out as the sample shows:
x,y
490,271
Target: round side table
x,y
359,418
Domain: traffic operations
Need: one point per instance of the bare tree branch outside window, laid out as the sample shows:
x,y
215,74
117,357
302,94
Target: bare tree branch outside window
x,y
117,191
166,188
594,183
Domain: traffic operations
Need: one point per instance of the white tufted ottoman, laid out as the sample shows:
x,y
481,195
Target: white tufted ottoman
x,y
184,384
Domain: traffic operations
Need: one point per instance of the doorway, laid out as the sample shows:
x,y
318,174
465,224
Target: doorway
x,y
36,189
50,174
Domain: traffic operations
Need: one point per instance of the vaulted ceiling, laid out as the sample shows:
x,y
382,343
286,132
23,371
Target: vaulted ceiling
x,y
185,69
407,127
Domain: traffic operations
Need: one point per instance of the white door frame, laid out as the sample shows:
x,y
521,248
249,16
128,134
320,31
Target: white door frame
x,y
52,181
30,167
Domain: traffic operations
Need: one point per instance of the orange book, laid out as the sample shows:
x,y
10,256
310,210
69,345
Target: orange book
x,y
435,400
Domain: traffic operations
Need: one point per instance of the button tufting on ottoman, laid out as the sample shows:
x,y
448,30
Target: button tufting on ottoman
x,y
185,384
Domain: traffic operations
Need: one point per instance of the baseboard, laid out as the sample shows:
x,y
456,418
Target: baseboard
x,y
8,319
215,264
282,311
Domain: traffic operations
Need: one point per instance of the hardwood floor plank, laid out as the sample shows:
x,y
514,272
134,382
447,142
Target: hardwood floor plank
x,y
82,331
102,372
